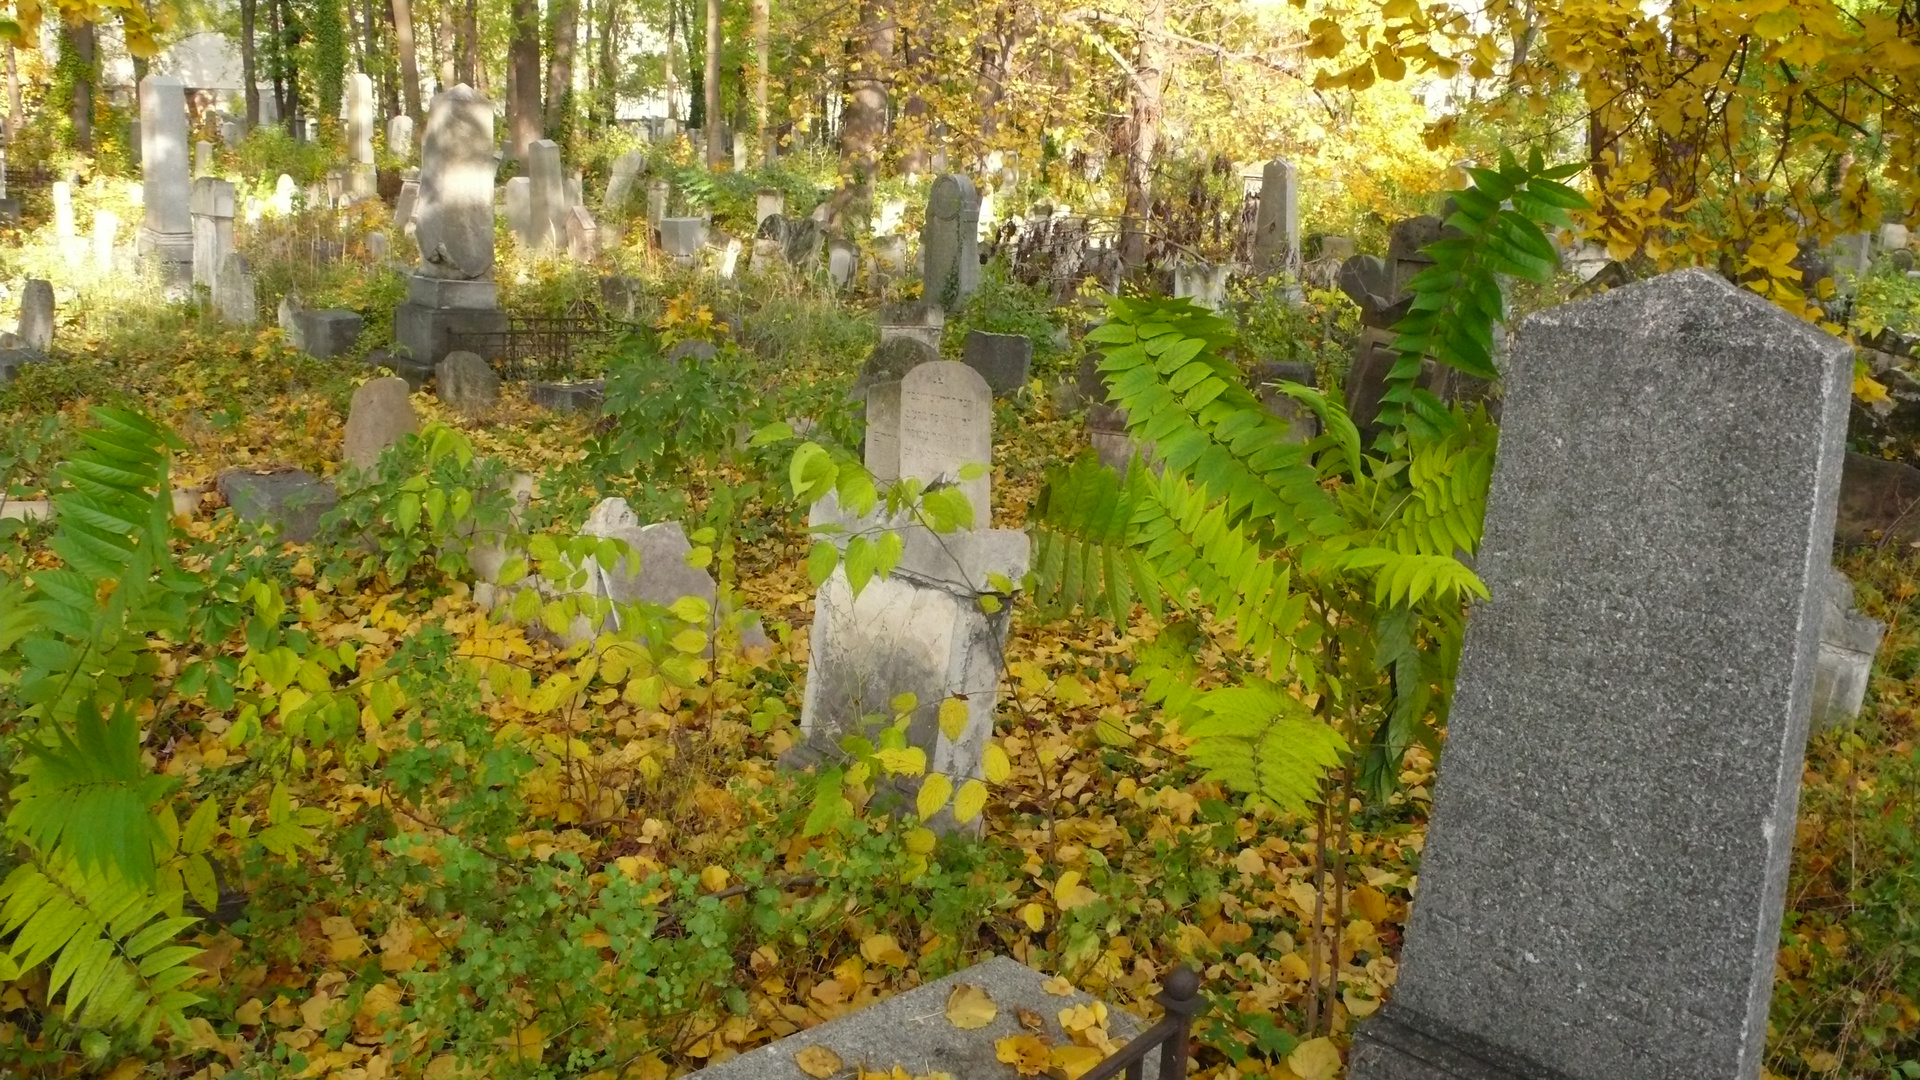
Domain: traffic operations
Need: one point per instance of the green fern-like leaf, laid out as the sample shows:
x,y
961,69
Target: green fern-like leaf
x,y
110,941
88,794
1084,554
1259,740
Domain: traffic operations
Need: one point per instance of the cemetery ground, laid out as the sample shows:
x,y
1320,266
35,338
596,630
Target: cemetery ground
x,y
518,856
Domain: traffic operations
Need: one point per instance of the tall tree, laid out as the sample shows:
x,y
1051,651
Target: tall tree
x,y
249,80
77,65
1148,81
672,84
16,108
523,93
863,117
606,90
409,60
716,153
563,25
762,59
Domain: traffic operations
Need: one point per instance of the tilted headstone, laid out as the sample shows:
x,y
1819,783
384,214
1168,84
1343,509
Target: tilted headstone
x,y
1606,862
1848,642
892,359
547,195
212,207
583,235
1894,236
656,570
726,255
922,319
574,188
805,238
167,234
1406,249
36,314
657,191
234,299
1276,228
1004,360
769,242
950,242
328,332
626,170
467,383
403,205
290,500
379,416
203,158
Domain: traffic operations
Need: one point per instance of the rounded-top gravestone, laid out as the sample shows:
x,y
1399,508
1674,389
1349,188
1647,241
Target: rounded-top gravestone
x,y
453,220
379,416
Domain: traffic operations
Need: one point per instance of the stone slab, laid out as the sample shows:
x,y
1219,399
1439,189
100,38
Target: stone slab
x,y
452,293
911,1030
290,500
1605,869
568,397
328,332
1004,360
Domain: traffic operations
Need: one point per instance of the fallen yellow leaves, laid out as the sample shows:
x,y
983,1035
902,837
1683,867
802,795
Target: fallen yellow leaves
x,y
818,1062
1315,1059
1068,893
1028,1054
883,949
969,1007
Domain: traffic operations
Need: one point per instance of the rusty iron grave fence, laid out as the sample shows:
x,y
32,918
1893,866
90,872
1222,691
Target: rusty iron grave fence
x,y
1183,1002
545,348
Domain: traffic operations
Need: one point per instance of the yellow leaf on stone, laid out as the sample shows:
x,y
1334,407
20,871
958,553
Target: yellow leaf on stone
x,y
934,792
1027,1054
818,1062
969,1007
971,800
1072,1062
953,717
883,949
1315,1059
714,878
1058,985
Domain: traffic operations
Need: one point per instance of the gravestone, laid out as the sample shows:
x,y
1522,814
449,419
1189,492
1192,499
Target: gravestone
x,y
655,570
583,235
377,247
1276,228
880,448
234,299
106,234
328,332
805,238
360,175
290,500
1894,236
626,170
1003,360
769,242
166,236
889,257
574,189
657,191
950,242
683,238
400,137
1605,867
452,291
465,381
1407,241
63,223
403,205
892,359
37,314
584,396
1302,423
946,423
921,630
1203,283
921,319
768,202
212,208
284,189
287,317
379,416
1848,642
203,158
843,262
546,196
519,209
726,255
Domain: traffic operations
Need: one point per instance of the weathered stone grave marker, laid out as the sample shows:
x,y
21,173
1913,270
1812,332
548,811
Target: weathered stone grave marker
x,y
950,242
379,415
1004,360
1604,875
626,170
1276,229
361,182
234,298
546,196
167,235
37,314
212,214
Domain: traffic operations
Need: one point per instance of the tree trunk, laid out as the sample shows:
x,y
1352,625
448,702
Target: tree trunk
x,y
409,60
607,93
448,46
563,18
716,153
762,60
1149,90
16,107
248,77
79,37
471,68
673,88
523,93
863,113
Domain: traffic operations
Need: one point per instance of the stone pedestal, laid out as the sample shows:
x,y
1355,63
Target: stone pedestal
x,y
436,310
